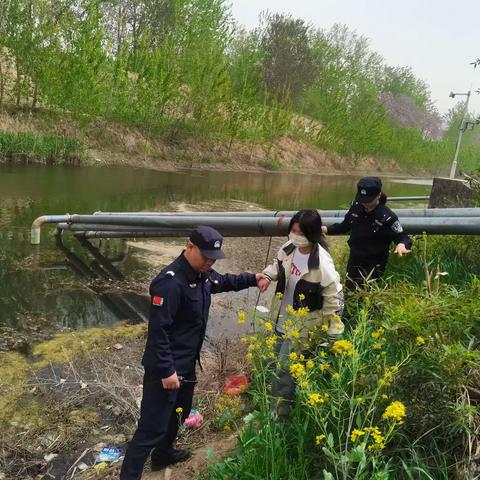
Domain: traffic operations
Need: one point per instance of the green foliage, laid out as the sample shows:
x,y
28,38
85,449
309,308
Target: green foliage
x,y
32,148
182,68
388,401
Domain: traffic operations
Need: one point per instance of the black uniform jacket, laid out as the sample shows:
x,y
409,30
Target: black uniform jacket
x,y
371,232
180,301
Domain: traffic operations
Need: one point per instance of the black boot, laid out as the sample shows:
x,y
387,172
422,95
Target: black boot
x,y
173,456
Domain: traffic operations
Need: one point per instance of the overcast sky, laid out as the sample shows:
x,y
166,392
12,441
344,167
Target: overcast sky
x,y
437,38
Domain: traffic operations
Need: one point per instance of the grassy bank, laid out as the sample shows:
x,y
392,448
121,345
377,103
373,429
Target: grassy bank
x,y
47,136
29,147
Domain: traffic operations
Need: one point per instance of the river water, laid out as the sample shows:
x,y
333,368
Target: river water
x,y
35,281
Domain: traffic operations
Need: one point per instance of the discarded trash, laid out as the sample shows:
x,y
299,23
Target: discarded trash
x,y
109,454
262,309
236,384
118,346
50,456
82,466
194,420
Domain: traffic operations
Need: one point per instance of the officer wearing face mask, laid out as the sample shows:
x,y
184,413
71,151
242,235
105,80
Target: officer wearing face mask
x,y
306,277
372,226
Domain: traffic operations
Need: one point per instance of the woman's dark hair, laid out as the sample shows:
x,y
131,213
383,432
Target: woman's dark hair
x,y
310,223
383,198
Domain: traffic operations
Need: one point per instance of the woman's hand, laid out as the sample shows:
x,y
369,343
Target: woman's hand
x,y
401,250
324,230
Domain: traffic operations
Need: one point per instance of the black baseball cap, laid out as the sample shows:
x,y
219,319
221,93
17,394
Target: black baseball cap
x,y
209,241
368,188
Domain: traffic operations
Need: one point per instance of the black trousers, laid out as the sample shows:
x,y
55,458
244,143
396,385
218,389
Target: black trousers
x,y
158,424
359,270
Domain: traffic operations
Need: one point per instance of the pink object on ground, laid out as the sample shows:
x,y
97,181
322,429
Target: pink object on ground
x,y
194,420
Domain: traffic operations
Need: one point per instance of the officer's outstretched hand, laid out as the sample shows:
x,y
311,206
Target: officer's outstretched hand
x,y
401,250
262,281
171,383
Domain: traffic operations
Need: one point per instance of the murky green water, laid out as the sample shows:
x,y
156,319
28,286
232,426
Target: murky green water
x,y
35,281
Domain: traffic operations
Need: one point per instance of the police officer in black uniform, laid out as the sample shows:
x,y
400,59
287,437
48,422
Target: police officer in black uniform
x,y
372,226
180,301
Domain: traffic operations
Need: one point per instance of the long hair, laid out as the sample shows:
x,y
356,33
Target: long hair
x,y
310,223
383,198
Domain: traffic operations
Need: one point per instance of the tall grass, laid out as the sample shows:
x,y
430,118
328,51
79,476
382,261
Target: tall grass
x,y
35,148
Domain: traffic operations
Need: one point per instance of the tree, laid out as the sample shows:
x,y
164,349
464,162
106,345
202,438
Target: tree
x,y
287,58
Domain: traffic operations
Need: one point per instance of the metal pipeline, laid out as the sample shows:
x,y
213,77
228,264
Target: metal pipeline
x,y
232,226
38,222
257,227
401,212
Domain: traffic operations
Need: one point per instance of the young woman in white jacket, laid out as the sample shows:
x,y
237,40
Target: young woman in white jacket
x,y
308,298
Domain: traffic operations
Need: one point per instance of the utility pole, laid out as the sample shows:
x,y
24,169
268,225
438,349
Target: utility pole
x,y
461,129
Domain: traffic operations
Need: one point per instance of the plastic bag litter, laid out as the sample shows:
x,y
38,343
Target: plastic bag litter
x,y
194,420
236,384
109,455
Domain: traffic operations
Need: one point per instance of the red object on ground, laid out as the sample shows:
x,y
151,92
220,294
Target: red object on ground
x,y
236,384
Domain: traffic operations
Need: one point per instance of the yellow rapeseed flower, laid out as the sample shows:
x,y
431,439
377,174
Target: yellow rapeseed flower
x,y
268,326
320,438
420,340
244,340
356,434
324,328
316,399
297,370
309,364
343,347
323,367
301,297
179,410
249,356
378,438
377,346
336,376
290,310
302,311
293,356
395,411
241,317
294,333
271,341
388,376
279,295
378,333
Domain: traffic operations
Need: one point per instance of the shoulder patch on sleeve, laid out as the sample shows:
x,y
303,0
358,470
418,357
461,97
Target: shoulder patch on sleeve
x,y
158,301
397,227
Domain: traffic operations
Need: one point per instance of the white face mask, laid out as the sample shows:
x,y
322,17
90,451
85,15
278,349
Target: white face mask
x,y
298,240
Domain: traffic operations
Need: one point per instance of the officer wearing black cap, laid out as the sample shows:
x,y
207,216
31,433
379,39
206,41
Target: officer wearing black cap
x,y
180,301
372,226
